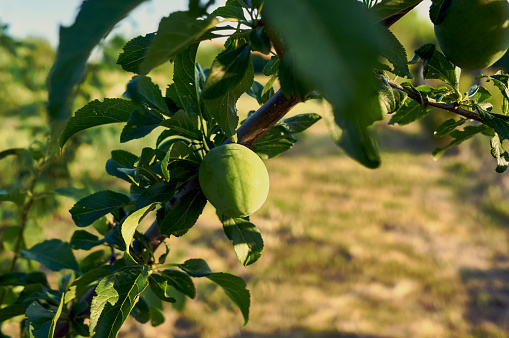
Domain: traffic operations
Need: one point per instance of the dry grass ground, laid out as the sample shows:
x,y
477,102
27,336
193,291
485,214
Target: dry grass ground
x,y
417,248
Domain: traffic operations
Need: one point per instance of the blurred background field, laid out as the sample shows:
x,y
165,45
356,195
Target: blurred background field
x,y
416,248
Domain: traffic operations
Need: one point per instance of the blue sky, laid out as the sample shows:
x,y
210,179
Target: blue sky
x,y
43,17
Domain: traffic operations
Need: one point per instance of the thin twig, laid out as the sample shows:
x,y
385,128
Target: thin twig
x,y
24,219
452,107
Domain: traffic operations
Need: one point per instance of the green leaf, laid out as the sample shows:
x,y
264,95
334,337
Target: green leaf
x,y
156,316
139,125
436,66
500,80
124,158
12,311
180,160
175,33
231,10
226,72
186,79
355,140
390,99
448,126
299,123
82,284
408,113
387,8
438,10
246,238
235,288
272,66
84,240
141,311
196,267
158,284
97,113
141,88
119,161
39,321
95,259
134,52
268,90
180,124
274,142
54,254
95,206
114,238
260,41
498,152
394,51
262,93
224,111
498,122
117,294
94,21
56,317
182,217
129,225
161,193
148,170
460,136
477,94
180,281
348,49
290,79
21,278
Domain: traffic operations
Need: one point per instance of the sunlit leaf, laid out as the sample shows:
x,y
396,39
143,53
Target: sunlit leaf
x,y
116,295
97,113
500,154
246,239
129,225
175,33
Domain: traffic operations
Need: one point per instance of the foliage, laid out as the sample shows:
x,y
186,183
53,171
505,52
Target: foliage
x,y
338,49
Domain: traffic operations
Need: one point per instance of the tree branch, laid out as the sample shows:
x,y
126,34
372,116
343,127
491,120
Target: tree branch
x,y
452,107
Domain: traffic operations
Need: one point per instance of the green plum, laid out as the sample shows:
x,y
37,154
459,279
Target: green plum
x,y
474,34
234,179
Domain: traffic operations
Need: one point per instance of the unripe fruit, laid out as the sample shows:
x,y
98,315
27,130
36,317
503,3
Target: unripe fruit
x,y
234,180
474,34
